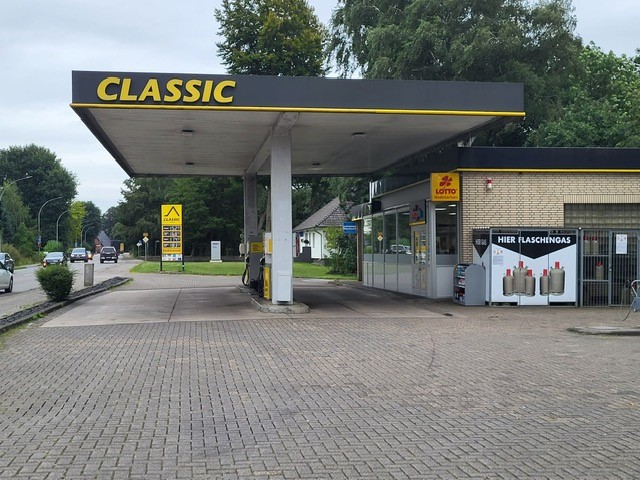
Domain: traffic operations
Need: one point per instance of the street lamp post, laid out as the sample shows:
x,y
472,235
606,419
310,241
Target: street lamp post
x,y
87,231
4,189
83,231
39,231
66,211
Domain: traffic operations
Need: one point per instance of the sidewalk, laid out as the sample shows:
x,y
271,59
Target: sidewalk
x,y
175,377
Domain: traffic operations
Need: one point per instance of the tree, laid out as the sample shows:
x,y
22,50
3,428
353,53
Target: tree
x,y
600,109
13,213
277,37
49,179
212,210
271,37
492,40
139,211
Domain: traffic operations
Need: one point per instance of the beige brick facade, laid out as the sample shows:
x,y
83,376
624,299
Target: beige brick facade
x,y
535,199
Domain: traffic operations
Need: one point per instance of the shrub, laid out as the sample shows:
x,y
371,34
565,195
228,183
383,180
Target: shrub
x,y
56,281
343,250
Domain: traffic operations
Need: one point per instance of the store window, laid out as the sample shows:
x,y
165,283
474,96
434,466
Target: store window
x,y
390,240
377,233
404,230
601,215
367,245
446,228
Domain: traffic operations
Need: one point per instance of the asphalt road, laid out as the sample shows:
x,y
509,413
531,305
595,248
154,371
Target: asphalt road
x,y
27,291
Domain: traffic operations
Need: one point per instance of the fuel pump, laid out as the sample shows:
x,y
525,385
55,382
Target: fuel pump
x,y
253,249
266,265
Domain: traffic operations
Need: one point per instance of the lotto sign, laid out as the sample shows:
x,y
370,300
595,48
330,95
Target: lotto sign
x,y
445,187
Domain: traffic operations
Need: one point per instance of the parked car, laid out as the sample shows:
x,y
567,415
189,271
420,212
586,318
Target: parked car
x,y
7,261
6,278
79,255
54,258
108,254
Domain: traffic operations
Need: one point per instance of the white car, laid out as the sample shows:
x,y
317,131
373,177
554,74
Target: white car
x,y
6,279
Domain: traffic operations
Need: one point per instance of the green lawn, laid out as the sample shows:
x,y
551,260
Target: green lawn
x,y
300,270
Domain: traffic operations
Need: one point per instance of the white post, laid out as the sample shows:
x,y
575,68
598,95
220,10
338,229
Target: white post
x,y
281,217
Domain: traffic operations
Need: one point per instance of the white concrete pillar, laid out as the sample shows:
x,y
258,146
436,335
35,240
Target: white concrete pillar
x,y
281,218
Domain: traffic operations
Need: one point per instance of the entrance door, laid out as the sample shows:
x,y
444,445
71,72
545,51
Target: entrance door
x,y
419,259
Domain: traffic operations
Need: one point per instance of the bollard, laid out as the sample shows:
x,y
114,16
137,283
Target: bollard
x,y
88,274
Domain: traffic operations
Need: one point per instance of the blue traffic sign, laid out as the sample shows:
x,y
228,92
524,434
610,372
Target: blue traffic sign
x,y
349,228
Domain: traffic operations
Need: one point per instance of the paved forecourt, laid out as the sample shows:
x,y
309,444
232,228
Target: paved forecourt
x,y
186,381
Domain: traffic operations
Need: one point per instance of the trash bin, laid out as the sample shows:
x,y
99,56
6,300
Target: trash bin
x,y
88,274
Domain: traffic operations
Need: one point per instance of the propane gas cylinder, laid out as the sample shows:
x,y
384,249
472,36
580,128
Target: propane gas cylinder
x,y
587,246
519,274
595,246
599,271
556,280
544,282
507,284
529,284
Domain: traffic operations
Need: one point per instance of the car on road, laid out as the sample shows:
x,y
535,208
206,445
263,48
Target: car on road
x,y
7,261
6,278
108,254
54,258
79,255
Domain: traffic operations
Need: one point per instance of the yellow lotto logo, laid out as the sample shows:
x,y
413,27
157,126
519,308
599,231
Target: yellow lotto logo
x,y
112,89
445,186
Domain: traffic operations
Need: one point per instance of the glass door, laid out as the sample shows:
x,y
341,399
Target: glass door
x,y
419,252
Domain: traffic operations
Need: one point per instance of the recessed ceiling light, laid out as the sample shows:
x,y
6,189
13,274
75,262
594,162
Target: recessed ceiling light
x,y
187,132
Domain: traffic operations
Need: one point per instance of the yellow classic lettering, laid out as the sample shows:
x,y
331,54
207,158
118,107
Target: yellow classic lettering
x,y
173,87
192,89
151,89
175,90
206,92
125,91
102,89
218,95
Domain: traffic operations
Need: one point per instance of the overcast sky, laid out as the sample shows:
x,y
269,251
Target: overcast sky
x,y
42,41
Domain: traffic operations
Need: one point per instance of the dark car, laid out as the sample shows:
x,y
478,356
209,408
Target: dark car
x,y
7,261
54,258
108,254
79,254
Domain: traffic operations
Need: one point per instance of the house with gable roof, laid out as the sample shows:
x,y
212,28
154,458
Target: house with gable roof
x,y
312,231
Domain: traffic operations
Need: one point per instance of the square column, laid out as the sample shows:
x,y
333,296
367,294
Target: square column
x,y
281,218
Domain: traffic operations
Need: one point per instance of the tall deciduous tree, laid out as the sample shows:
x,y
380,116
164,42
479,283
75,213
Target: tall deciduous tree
x,y
271,37
277,37
490,40
600,109
49,179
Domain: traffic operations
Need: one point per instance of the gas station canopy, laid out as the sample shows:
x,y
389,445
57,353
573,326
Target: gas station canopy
x,y
162,124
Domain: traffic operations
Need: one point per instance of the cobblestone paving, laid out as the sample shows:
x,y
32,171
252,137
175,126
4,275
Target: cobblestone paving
x,y
319,398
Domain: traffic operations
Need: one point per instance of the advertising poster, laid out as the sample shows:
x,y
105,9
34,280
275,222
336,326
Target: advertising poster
x,y
534,267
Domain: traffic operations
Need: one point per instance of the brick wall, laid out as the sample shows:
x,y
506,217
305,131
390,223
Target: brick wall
x,y
535,199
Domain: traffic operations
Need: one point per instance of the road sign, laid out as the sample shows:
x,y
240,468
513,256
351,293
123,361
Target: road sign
x,y
349,228
139,244
145,239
